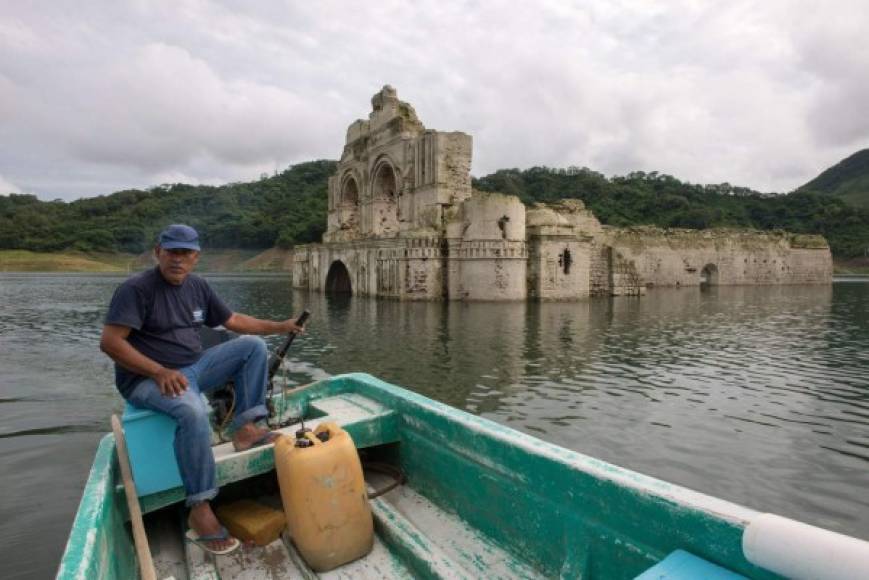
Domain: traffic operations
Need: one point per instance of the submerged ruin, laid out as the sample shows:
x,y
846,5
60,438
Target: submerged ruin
x,y
404,222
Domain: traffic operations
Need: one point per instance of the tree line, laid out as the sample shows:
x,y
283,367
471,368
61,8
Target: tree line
x,y
290,208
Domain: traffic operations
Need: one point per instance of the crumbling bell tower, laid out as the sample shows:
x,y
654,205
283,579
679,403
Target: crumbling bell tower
x,y
396,178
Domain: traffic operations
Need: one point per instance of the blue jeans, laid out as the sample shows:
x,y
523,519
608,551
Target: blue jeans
x,y
244,359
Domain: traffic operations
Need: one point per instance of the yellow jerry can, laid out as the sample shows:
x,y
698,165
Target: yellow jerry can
x,y
324,496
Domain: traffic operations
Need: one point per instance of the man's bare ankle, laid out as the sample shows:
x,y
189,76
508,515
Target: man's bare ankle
x,y
243,431
247,433
200,514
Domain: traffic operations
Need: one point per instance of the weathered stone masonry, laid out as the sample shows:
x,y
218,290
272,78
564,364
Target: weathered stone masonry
x,y
403,222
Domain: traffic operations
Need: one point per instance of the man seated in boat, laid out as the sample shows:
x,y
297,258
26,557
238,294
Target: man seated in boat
x,y
151,331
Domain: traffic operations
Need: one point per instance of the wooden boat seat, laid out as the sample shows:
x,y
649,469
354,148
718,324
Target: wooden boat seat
x,y
368,422
682,565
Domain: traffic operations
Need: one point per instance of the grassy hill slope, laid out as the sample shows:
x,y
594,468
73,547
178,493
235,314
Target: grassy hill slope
x,y
212,260
847,180
27,261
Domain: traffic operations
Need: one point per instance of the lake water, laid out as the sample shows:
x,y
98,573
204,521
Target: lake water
x,y
759,395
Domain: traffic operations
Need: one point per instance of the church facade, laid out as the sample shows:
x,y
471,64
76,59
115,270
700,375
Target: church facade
x,y
404,222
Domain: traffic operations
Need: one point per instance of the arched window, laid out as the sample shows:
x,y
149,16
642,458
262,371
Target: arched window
x,y
385,184
384,195
349,192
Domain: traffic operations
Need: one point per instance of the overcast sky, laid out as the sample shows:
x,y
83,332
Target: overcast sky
x,y
100,96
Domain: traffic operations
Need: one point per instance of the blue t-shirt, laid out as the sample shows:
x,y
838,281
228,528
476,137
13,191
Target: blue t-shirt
x,y
164,320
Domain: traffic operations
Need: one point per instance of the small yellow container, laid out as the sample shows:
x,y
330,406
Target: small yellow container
x,y
250,521
325,499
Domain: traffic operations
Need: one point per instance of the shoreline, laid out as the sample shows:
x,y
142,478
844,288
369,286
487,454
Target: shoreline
x,y
216,261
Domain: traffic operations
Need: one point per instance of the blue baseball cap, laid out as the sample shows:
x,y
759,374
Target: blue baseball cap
x,y
179,237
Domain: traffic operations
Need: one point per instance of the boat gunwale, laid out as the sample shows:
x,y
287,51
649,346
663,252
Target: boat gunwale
x,y
724,509
680,518
79,559
81,554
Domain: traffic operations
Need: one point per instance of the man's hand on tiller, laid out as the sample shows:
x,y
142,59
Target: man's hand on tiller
x,y
291,326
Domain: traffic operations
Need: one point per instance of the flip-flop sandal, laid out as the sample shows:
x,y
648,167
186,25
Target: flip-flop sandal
x,y
202,541
269,437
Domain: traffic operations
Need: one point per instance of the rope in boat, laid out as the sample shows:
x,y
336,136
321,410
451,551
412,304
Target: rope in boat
x,y
385,469
221,425
226,418
284,382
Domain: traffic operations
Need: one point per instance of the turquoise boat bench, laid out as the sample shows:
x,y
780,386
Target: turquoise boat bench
x,y
150,439
681,565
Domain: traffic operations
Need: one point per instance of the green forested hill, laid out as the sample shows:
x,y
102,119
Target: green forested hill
x,y
281,210
848,180
290,208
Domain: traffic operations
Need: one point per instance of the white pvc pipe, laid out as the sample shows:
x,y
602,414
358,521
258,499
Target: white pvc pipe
x,y
797,550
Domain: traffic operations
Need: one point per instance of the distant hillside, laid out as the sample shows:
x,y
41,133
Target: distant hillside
x,y
212,260
282,210
27,261
290,208
847,180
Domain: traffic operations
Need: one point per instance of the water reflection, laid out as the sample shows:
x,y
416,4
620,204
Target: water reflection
x,y
755,394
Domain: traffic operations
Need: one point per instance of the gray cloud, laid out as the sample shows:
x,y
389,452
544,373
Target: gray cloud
x,y
100,96
6,187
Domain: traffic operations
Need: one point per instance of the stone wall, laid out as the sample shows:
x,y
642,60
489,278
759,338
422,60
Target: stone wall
x,y
600,270
559,250
679,257
413,270
625,279
558,267
486,249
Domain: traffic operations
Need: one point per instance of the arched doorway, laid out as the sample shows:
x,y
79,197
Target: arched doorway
x,y
338,279
709,276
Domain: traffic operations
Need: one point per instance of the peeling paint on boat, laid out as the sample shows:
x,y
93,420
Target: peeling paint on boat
x,y
99,520
573,459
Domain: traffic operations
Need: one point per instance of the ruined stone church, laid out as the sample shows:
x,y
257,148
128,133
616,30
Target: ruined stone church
x,y
404,222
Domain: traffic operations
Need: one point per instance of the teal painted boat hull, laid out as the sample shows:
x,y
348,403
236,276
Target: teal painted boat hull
x,y
556,512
